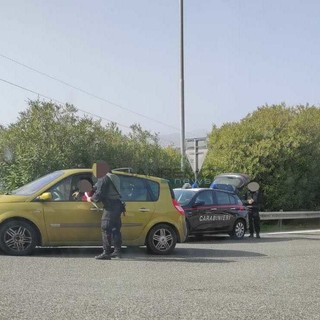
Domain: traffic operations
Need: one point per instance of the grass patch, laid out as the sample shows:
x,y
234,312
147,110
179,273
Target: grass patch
x,y
290,225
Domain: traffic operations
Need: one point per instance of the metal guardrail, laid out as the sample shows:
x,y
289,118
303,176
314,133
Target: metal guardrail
x,y
284,215
287,215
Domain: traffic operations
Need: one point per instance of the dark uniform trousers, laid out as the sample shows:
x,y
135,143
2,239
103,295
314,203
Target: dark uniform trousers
x,y
254,221
111,225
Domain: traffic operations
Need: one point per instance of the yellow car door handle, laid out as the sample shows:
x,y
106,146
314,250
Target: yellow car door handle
x,y
144,210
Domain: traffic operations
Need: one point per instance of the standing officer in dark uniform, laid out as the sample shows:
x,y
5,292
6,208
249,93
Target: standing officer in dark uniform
x,y
252,201
107,192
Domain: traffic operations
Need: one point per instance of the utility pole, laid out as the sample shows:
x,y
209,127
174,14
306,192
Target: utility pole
x,y
182,142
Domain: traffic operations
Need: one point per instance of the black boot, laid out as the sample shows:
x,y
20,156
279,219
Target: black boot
x,y
258,235
103,256
116,254
251,235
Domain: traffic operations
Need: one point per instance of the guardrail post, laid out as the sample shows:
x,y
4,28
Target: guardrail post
x,y
280,224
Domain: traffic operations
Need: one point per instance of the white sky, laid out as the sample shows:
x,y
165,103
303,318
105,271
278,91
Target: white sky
x,y
239,54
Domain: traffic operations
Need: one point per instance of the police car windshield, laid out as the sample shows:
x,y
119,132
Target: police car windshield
x,y
183,196
36,185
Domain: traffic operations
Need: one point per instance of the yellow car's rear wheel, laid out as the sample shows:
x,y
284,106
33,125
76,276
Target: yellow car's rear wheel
x,y
161,239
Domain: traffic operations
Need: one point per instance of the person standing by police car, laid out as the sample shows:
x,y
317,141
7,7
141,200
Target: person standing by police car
x,y
253,202
108,192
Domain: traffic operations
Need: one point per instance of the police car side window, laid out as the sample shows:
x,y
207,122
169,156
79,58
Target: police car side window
x,y
214,197
233,199
205,197
222,198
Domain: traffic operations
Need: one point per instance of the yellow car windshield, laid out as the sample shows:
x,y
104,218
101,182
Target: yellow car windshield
x,y
38,184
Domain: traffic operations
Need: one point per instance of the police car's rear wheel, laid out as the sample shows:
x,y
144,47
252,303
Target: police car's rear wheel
x,y
239,230
161,239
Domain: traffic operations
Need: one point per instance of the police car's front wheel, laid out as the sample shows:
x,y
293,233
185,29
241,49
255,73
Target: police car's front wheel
x,y
161,239
238,230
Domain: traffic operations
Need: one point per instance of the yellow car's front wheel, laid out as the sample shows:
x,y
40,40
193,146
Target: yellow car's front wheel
x,y
17,237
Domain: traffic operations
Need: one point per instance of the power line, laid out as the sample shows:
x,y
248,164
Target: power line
x,y
84,91
59,102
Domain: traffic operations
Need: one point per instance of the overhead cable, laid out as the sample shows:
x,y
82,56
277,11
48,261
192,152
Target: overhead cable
x,y
85,91
59,102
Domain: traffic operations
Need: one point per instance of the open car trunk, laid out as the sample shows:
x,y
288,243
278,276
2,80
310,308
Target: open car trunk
x,y
230,181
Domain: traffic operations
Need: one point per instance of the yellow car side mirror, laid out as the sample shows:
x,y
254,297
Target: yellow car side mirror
x,y
47,196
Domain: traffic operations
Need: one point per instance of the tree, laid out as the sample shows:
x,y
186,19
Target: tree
x,y
46,137
50,137
278,147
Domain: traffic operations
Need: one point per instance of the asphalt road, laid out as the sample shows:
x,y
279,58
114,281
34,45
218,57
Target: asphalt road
x,y
276,277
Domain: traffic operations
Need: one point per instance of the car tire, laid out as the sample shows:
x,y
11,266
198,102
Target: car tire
x,y
238,231
18,238
161,239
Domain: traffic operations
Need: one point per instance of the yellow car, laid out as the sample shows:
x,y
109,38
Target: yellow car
x,y
50,211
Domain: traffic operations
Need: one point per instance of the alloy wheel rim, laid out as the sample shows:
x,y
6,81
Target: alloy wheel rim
x,y
239,230
18,238
162,240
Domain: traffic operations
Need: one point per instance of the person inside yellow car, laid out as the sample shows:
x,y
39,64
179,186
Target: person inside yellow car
x,y
83,191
